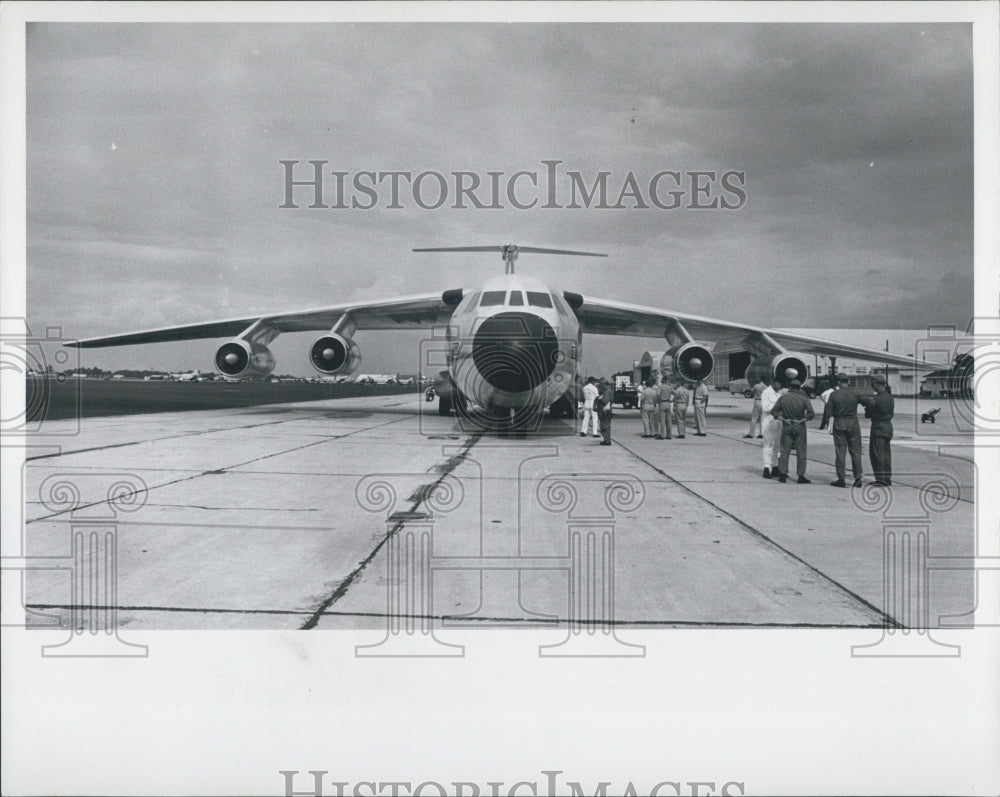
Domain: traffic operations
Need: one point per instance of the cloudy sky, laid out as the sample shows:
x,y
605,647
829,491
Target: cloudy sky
x,y
155,183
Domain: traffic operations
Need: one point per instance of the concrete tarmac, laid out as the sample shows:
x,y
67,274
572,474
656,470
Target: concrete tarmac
x,y
375,513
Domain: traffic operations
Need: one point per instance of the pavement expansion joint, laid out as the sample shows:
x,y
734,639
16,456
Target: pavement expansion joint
x,y
341,589
886,618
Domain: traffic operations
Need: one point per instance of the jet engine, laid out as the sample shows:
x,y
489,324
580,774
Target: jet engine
x,y
335,354
783,367
240,359
692,361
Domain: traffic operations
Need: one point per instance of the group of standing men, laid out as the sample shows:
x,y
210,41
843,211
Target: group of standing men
x,y
665,405
779,416
785,412
842,406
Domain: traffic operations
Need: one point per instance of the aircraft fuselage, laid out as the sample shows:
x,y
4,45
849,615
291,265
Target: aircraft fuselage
x,y
514,343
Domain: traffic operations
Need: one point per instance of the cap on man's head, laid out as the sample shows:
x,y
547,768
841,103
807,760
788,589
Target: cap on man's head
x,y
843,378
795,383
878,380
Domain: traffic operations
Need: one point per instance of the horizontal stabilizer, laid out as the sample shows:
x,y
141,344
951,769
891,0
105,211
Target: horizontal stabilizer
x,y
534,250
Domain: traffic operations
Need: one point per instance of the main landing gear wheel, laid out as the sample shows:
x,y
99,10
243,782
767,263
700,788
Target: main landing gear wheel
x,y
562,407
444,405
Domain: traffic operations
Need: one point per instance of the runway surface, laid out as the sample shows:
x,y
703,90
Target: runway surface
x,y
375,513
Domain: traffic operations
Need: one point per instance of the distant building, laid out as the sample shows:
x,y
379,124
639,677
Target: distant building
x,y
936,384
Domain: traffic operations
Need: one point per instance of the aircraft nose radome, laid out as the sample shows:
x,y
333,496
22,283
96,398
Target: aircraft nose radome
x,y
515,352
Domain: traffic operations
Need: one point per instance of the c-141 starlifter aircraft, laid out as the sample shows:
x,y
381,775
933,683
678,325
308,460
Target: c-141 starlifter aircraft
x,y
513,344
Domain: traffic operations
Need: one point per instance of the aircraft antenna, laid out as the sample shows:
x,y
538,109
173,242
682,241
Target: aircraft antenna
x,y
509,252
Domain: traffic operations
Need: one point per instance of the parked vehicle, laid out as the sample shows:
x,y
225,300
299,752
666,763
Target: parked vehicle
x,y
626,392
741,386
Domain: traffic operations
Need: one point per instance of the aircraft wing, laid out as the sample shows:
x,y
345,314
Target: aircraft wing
x,y
412,312
604,317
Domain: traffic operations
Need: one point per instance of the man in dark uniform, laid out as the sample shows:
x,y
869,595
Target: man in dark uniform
x,y
794,410
882,409
602,405
842,406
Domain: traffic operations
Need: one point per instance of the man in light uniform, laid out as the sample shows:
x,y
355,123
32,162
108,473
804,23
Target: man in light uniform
x,y
770,427
755,414
664,408
589,394
647,406
700,406
681,398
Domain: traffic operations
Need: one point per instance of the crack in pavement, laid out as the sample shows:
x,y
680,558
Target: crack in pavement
x,y
416,499
216,472
887,619
166,437
549,622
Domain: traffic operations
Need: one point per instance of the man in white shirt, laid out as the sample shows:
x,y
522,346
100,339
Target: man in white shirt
x,y
589,394
825,396
755,416
770,427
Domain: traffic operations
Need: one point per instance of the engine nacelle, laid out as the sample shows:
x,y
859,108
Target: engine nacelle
x,y
783,367
239,359
335,354
691,361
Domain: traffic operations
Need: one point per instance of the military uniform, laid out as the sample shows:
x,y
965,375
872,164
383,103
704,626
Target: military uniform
x,y
664,408
606,398
842,406
681,398
879,450
795,410
647,406
700,406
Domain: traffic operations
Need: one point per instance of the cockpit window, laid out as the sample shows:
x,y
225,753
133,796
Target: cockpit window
x,y
493,298
516,298
539,299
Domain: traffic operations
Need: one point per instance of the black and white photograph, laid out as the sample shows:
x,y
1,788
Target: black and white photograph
x,y
500,399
